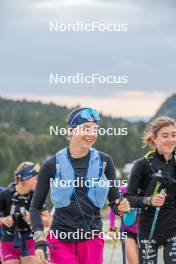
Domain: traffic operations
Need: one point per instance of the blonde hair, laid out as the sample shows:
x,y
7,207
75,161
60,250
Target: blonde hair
x,y
154,127
22,166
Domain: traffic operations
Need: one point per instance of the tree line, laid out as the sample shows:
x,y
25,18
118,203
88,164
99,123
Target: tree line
x,y
25,135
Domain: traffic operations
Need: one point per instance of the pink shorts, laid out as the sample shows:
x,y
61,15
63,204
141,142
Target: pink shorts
x,y
85,252
8,252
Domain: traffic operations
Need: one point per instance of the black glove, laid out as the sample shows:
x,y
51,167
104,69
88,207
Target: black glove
x,y
42,244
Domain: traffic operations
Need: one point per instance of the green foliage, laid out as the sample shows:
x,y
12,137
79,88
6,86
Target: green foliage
x,y
24,135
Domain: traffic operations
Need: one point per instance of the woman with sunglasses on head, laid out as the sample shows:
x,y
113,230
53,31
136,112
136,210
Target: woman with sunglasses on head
x,y
152,187
77,223
17,244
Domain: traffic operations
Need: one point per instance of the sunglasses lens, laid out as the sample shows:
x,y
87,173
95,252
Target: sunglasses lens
x,y
90,114
96,115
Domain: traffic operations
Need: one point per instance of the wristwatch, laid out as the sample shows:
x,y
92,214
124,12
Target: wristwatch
x,y
147,201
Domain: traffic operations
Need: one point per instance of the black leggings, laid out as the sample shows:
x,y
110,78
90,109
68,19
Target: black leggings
x,y
149,252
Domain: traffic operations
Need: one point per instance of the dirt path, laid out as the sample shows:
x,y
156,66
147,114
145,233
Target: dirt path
x,y
115,251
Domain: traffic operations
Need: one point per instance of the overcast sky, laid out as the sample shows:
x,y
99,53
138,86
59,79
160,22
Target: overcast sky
x,y
146,53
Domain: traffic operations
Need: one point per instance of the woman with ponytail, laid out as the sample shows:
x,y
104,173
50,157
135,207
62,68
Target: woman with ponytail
x,y
152,173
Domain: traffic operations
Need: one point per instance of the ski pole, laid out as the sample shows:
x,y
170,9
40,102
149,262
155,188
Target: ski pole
x,y
113,249
122,230
162,192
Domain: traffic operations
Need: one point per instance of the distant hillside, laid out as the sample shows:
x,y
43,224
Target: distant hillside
x,y
168,108
24,135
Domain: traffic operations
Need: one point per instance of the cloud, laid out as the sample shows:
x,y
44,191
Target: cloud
x,y
30,53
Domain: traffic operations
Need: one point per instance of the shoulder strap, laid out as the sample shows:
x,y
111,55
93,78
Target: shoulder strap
x,y
104,167
148,157
175,156
11,188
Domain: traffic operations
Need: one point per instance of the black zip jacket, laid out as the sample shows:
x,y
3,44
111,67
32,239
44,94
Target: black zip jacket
x,y
142,183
